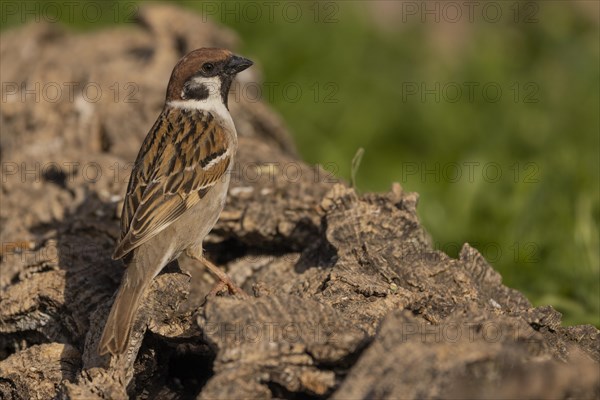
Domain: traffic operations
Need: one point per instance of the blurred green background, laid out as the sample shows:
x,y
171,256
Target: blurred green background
x,y
489,111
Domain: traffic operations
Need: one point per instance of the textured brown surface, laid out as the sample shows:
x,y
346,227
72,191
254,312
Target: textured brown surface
x,y
349,298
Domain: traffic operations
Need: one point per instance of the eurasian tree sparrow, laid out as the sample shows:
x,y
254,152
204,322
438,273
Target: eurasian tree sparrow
x,y
179,183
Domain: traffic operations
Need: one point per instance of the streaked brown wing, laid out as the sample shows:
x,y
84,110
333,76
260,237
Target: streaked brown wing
x,y
181,159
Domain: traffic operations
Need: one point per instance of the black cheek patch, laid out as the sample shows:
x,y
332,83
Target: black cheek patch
x,y
196,92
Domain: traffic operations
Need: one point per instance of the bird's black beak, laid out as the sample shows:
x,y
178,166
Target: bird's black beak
x,y
237,64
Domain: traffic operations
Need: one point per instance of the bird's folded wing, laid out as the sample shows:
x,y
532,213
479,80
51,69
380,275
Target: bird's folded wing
x,y
184,156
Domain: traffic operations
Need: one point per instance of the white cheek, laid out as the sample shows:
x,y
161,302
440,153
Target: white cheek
x,y
213,103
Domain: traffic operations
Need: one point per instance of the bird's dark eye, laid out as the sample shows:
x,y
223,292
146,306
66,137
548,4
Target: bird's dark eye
x,y
208,67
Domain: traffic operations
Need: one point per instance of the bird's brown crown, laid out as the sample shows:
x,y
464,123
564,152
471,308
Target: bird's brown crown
x,y
191,64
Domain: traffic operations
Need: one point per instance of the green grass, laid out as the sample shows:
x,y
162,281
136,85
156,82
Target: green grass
x,y
537,222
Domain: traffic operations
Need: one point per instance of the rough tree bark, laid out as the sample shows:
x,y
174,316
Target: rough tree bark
x,y
350,300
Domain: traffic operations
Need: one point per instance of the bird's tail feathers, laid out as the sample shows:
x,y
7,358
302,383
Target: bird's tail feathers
x,y
120,320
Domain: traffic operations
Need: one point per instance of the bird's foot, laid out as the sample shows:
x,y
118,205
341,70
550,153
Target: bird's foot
x,y
231,288
225,281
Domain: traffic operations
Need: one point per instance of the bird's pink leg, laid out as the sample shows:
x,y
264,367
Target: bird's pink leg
x,y
224,280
